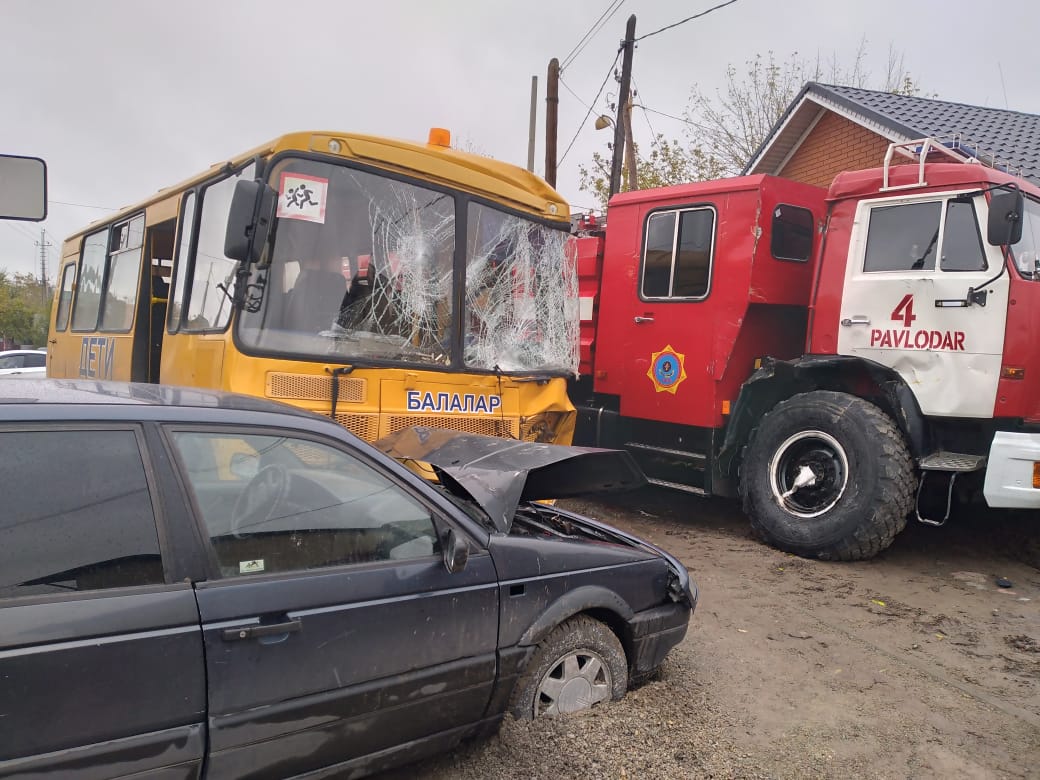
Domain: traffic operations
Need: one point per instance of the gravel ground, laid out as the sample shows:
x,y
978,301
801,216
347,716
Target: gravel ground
x,y
914,664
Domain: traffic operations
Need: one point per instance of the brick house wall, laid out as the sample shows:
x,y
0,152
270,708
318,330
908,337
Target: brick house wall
x,y
835,144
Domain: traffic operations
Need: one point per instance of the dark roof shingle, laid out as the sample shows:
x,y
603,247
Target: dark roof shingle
x,y
1009,138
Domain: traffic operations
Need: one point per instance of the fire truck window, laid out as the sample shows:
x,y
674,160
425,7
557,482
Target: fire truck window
x,y
657,263
1026,254
693,255
903,238
962,244
792,233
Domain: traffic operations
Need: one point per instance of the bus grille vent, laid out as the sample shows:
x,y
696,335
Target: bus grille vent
x,y
508,428
314,387
364,426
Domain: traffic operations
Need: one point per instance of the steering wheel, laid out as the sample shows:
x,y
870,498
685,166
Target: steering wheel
x,y
257,502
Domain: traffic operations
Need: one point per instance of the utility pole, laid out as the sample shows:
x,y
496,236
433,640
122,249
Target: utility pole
x,y
43,243
552,104
630,148
628,46
534,123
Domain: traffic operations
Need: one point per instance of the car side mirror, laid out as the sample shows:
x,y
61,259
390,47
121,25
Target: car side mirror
x,y
249,220
1004,226
23,188
456,552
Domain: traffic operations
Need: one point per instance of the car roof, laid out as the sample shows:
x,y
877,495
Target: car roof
x,y
22,352
128,400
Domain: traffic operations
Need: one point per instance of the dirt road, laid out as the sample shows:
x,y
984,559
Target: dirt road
x,y
914,664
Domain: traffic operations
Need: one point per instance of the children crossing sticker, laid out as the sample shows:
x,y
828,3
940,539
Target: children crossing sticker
x,y
302,197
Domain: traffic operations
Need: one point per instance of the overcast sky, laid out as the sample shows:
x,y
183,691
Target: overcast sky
x,y
124,97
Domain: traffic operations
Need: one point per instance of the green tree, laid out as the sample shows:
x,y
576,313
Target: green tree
x,y
25,307
737,118
724,129
669,162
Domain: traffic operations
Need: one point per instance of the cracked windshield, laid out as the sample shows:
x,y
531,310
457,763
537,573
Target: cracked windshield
x,y
361,266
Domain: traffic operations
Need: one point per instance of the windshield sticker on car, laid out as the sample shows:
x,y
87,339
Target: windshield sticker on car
x,y
251,567
667,370
302,197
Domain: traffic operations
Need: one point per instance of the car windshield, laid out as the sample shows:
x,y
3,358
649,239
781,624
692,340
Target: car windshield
x,y
363,266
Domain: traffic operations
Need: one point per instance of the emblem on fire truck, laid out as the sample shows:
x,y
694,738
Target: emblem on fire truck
x,y
667,370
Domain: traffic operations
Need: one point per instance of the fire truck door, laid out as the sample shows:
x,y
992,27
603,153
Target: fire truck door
x,y
906,303
668,321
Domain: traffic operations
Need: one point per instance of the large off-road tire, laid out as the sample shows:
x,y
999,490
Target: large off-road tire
x,y
827,475
578,665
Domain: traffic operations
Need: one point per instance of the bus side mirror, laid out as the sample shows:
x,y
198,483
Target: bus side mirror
x,y
1005,219
249,220
23,188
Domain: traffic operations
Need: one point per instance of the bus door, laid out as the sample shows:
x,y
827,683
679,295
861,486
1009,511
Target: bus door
x,y
200,307
62,353
153,298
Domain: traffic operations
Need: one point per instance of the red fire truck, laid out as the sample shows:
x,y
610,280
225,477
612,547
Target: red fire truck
x,y
840,359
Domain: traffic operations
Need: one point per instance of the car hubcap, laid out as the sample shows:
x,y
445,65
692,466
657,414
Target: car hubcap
x,y
808,473
577,681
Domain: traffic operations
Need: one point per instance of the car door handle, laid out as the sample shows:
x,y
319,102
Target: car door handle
x,y
859,319
641,320
262,629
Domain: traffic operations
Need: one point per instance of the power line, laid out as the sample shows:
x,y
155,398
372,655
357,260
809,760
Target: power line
x,y
23,231
670,116
653,133
576,95
592,32
687,19
84,205
610,70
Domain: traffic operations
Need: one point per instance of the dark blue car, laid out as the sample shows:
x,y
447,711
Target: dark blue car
x,y
196,584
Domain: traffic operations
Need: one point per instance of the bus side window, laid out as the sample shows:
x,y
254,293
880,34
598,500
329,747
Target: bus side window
x,y
212,273
61,318
184,240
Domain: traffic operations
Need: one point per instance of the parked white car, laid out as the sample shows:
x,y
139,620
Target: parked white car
x,y
23,362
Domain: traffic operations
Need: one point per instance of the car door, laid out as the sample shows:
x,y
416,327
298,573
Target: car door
x,y
333,628
101,668
905,305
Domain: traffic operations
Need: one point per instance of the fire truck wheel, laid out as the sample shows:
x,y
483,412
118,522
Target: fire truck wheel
x,y
827,475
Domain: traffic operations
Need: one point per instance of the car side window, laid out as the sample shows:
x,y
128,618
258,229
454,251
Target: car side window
x,y
35,360
12,361
78,516
274,503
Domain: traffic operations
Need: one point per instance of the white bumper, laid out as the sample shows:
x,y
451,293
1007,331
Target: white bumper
x,y
1009,473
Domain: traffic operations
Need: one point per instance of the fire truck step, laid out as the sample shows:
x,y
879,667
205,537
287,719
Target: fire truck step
x,y
697,458
952,461
678,486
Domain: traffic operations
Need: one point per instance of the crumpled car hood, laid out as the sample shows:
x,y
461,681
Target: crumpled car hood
x,y
500,473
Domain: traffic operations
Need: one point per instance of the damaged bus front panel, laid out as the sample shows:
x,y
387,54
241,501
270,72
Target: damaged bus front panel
x,y
380,282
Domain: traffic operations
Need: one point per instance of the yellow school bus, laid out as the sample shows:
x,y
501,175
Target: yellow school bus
x,y
381,282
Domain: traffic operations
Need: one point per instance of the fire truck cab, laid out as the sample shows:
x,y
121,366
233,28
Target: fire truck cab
x,y
840,359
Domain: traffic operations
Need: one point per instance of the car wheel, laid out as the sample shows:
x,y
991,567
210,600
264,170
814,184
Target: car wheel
x,y
578,665
827,475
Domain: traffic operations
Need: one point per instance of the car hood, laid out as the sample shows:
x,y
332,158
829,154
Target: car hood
x,y
500,473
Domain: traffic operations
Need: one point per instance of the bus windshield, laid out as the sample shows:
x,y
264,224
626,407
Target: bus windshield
x,y
367,267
